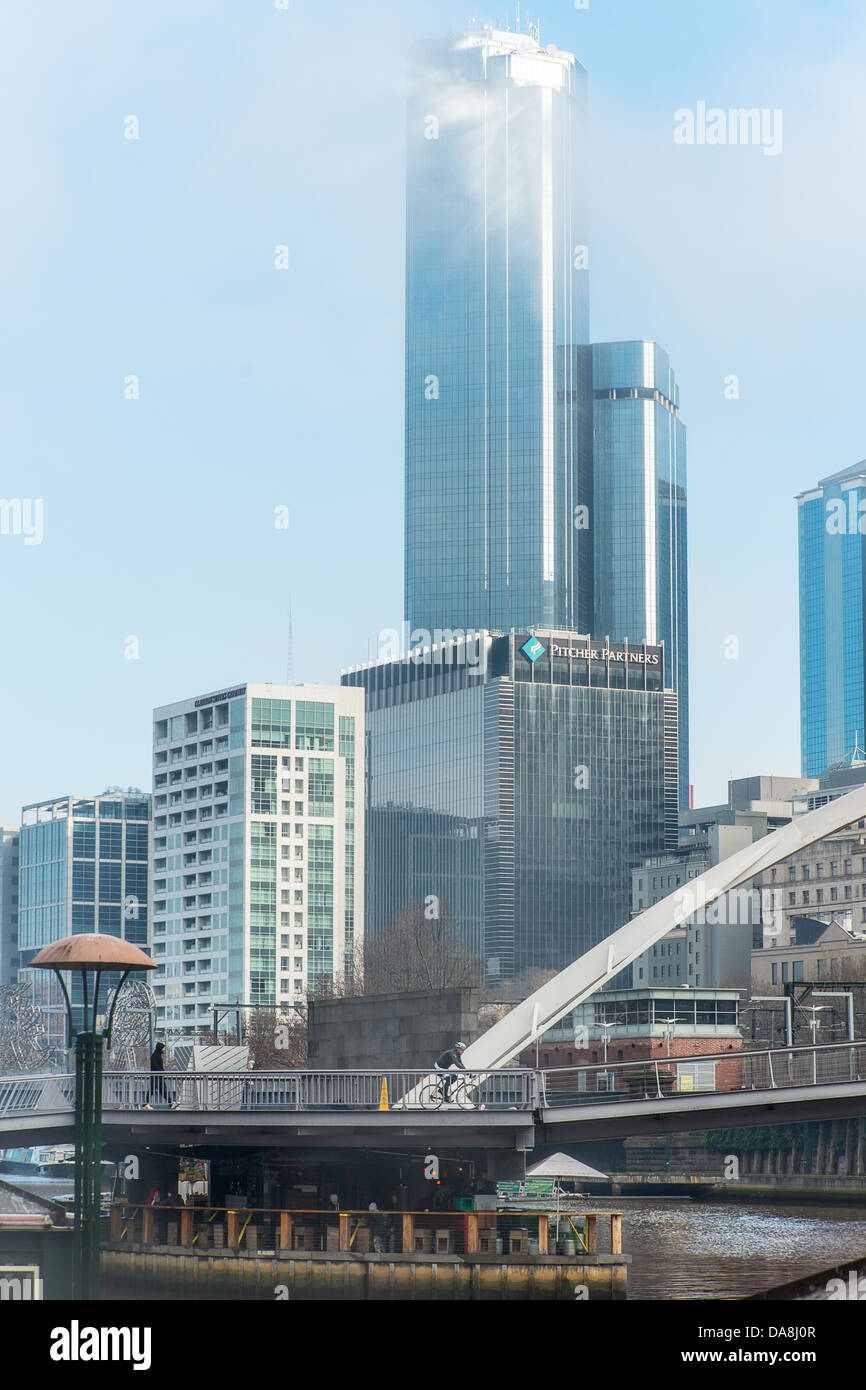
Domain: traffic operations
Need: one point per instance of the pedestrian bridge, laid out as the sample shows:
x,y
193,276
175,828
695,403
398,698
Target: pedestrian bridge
x,y
507,1108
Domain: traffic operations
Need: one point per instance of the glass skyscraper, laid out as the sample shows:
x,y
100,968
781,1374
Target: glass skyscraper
x,y
639,461
513,781
83,868
9,851
832,538
498,373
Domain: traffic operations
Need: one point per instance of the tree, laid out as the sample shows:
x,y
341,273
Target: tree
x,y
419,951
276,1043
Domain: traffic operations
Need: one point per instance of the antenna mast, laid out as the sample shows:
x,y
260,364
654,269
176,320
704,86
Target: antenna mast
x,y
290,652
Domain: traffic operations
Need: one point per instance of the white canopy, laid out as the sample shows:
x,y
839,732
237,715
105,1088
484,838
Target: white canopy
x,y
562,1166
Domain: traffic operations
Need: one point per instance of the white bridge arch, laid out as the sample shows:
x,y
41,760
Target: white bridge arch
x,y
585,976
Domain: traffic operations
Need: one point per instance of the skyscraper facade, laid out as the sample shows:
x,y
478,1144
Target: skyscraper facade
x,y
83,868
9,852
513,780
832,537
258,847
498,373
639,523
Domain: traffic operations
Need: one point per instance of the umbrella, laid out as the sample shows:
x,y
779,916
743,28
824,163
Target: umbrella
x,y
558,1166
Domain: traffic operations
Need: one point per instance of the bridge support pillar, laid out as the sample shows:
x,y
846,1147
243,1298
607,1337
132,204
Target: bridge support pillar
x,y
615,1234
186,1225
234,1229
285,1230
592,1234
408,1233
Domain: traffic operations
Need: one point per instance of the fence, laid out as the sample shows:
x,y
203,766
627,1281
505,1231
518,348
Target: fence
x,y
505,1234
710,1073
504,1089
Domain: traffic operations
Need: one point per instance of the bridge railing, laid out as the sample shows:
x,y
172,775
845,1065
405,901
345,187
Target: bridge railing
x,y
656,1077
504,1089
27,1094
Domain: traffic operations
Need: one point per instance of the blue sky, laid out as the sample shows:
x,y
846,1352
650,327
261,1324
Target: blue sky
x,y
154,257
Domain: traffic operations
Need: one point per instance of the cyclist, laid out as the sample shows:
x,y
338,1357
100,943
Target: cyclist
x,y
448,1062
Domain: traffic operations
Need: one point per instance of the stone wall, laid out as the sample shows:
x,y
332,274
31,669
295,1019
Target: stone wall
x,y
390,1030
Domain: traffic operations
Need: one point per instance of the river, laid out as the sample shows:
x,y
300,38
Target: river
x,y
685,1249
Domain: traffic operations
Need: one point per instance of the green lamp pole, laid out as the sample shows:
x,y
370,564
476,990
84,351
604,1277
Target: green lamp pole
x,y
85,954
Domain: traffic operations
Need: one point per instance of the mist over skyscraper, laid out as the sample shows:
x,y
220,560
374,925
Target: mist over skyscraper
x,y
498,378
545,477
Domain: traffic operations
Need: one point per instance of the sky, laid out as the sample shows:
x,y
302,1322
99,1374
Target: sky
x,y
171,384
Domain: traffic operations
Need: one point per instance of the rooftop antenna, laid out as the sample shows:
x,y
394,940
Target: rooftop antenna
x,y
290,652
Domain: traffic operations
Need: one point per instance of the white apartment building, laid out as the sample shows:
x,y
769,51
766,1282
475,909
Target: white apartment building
x,y
258,848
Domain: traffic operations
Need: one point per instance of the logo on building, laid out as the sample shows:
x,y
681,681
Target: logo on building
x,y
533,649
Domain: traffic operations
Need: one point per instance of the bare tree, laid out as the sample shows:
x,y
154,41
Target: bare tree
x,y
419,951
276,1043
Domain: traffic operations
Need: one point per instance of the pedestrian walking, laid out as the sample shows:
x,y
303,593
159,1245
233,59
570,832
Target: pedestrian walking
x,y
157,1082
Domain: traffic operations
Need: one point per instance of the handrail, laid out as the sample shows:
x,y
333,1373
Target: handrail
x,y
710,1056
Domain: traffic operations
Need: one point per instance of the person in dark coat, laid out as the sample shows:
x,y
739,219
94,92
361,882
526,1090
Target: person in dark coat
x,y
157,1083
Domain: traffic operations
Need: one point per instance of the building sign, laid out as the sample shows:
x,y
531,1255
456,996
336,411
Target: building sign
x,y
218,699
533,649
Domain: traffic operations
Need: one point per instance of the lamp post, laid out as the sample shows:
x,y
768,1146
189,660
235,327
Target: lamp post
x,y
84,953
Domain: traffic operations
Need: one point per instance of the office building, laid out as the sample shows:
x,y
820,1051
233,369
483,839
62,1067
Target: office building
x,y
639,522
826,951
258,848
83,868
513,780
832,524
9,851
712,948
668,1026
498,371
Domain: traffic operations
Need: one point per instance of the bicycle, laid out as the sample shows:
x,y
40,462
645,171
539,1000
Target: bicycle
x,y
463,1092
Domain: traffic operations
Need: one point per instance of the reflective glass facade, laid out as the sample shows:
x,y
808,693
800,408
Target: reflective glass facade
x,y
498,372
832,537
639,461
9,852
84,867
519,792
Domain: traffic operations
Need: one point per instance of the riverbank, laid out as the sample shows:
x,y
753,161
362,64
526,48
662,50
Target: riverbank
x,y
766,1188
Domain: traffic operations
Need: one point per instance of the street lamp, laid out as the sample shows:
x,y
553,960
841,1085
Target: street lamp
x,y
814,1023
83,953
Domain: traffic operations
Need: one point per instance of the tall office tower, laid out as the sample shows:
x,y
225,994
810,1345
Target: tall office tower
x,y
83,868
498,371
832,525
9,850
639,526
513,781
258,847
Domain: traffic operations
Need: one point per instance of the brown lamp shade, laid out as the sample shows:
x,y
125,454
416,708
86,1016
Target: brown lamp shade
x,y
91,951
